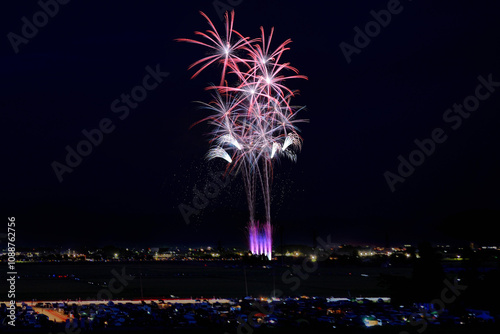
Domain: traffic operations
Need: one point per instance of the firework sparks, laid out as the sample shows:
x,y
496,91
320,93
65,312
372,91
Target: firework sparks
x,y
254,123
260,239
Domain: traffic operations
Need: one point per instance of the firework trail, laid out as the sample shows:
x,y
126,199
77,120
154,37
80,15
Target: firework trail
x,y
253,122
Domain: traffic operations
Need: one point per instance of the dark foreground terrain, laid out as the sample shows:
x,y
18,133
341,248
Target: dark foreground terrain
x,y
231,279
56,281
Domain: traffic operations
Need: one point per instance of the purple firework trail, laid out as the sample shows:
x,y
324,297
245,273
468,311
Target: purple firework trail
x,y
253,122
260,238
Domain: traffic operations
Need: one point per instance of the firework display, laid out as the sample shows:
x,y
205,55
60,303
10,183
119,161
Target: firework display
x,y
253,122
260,238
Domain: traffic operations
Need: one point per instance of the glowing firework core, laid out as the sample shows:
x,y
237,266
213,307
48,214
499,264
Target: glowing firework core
x,y
260,239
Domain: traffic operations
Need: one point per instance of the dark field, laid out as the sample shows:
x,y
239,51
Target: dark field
x,y
191,279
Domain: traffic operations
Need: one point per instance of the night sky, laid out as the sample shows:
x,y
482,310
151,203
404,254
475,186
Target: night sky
x,y
366,106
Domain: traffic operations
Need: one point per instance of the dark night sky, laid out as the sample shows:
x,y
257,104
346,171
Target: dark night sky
x,y
363,115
